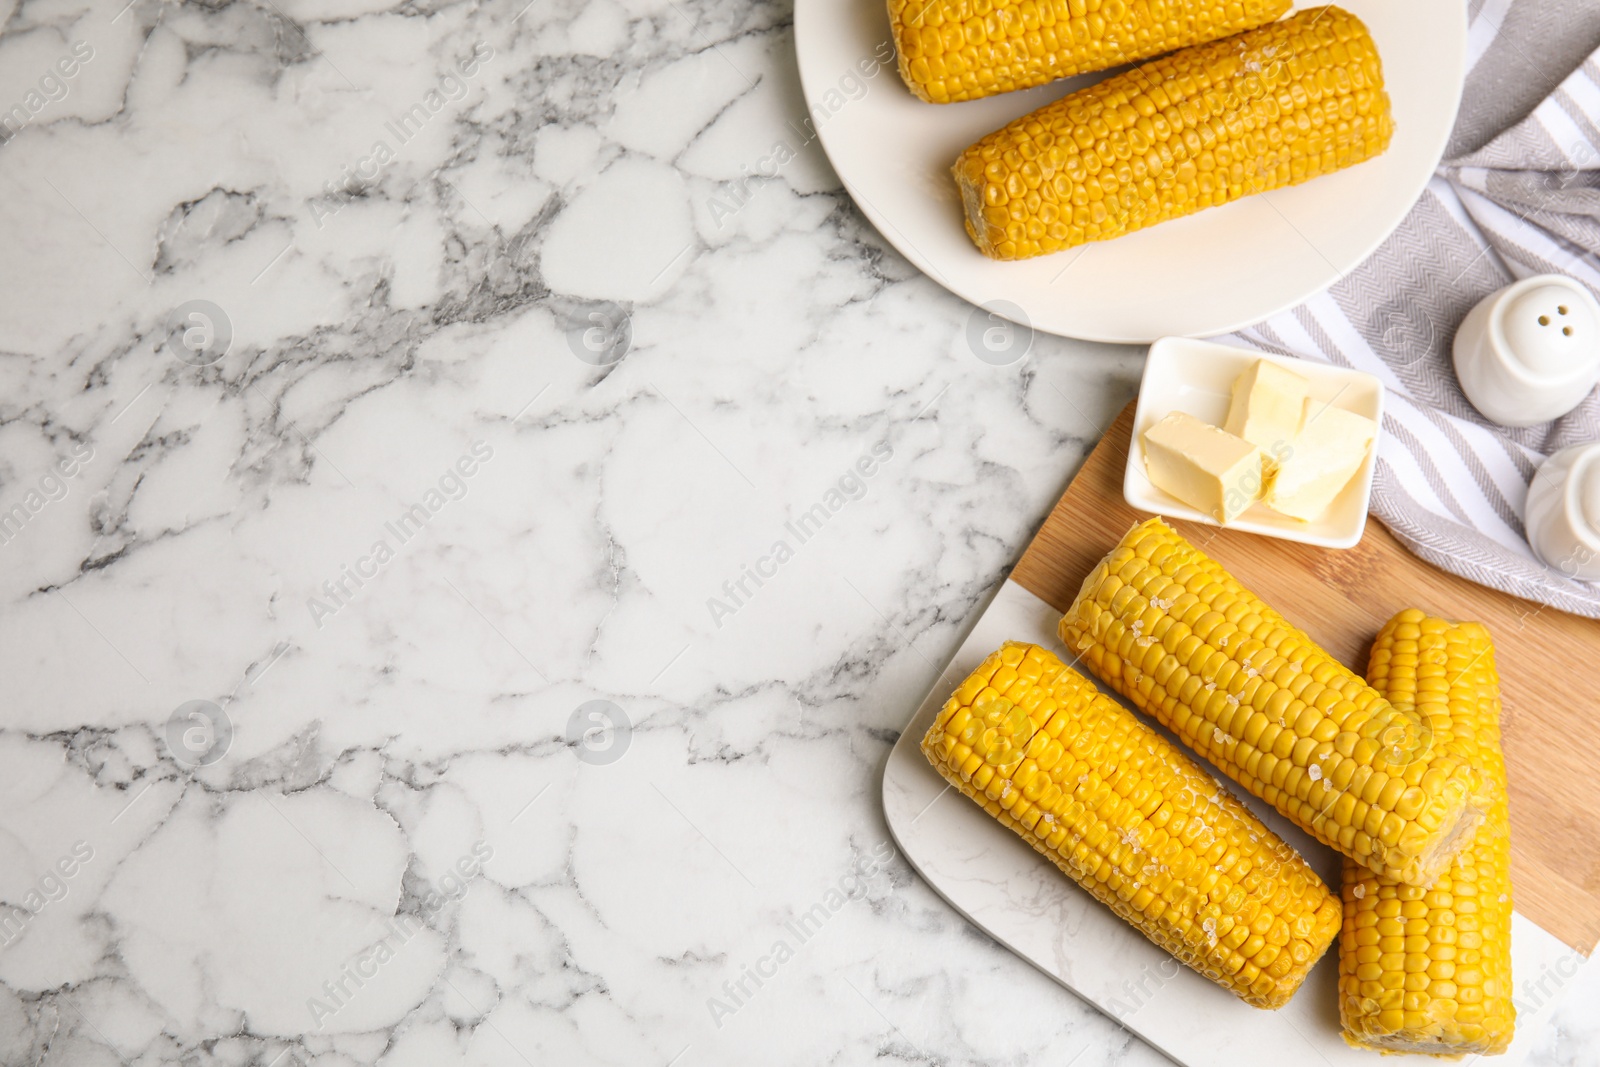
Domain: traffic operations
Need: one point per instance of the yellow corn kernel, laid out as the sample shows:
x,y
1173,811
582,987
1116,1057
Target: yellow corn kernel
x,y
1093,165
1155,570
1457,964
1130,818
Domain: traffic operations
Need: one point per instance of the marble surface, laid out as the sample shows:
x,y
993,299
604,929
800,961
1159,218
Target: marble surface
x,y
474,517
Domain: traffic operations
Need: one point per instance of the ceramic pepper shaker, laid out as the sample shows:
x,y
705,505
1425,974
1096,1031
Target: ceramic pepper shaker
x,y
1530,352
1563,512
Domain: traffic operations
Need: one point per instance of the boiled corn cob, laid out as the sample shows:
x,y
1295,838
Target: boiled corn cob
x,y
954,50
1430,970
1178,636
1276,106
1125,814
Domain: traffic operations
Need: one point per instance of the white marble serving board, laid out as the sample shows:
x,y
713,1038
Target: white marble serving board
x,y
1017,897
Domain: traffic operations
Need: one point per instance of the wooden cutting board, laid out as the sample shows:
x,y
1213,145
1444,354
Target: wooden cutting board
x,y
1549,662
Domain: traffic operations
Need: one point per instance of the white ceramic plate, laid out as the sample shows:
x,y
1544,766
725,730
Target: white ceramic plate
x,y
1197,377
1210,273
1006,889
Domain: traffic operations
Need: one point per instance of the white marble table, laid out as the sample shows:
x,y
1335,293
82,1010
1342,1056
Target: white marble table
x,y
308,589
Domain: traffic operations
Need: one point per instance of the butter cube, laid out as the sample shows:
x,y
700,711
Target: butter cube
x,y
1331,447
1266,408
1207,468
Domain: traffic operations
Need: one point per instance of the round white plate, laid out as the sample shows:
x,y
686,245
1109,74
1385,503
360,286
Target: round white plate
x,y
1207,274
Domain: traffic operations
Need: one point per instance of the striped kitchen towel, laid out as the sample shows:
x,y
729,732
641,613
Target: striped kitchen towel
x,y
1519,195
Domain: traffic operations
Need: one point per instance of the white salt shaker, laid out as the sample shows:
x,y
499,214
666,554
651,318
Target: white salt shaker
x,y
1563,513
1530,352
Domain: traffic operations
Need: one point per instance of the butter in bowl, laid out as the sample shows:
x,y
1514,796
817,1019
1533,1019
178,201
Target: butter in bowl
x,y
1274,446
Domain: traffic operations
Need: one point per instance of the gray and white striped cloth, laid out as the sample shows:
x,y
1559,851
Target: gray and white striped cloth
x,y
1518,195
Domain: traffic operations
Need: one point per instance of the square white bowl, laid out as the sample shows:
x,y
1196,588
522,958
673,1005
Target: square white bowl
x,y
1197,377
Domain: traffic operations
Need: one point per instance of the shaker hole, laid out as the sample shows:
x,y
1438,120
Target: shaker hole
x,y
1562,309
1544,320
1567,330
